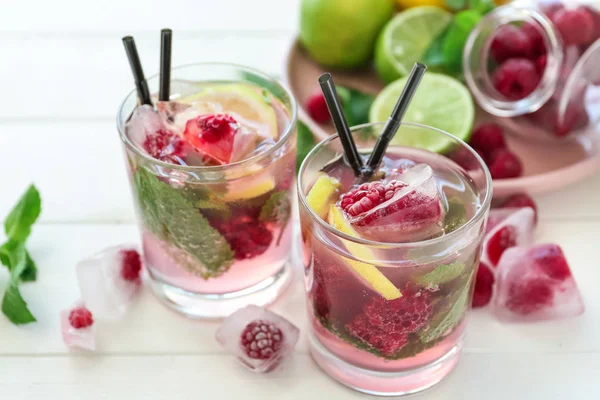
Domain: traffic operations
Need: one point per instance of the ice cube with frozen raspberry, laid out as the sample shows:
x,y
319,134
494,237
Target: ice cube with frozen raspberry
x,y
535,283
259,339
405,209
109,280
77,327
514,230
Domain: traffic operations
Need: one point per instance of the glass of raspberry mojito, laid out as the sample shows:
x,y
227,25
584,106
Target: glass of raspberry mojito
x,y
390,263
211,172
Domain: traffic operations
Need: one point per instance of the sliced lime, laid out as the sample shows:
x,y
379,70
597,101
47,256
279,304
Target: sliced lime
x,y
441,102
406,38
246,101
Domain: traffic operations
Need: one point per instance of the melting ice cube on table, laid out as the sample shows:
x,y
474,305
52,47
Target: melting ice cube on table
x,y
514,230
77,327
258,338
109,280
405,209
535,283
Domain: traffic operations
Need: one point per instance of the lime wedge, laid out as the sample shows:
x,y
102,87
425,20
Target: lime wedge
x,y
441,102
244,100
406,38
368,272
322,194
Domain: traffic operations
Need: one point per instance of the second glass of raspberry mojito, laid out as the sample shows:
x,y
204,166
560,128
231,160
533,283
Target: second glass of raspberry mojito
x,y
211,172
390,263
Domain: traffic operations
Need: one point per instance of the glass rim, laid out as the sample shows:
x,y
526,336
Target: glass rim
x,y
218,168
479,214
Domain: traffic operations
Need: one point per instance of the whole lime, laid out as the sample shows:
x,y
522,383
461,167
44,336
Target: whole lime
x,y
342,33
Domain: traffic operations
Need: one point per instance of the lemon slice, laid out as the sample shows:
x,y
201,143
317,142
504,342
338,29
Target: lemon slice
x,y
250,190
322,194
368,272
243,101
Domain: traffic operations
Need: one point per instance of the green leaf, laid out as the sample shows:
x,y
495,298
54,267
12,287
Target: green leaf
x,y
441,274
448,317
482,6
29,274
356,105
306,142
173,217
456,5
434,56
455,40
14,256
17,224
14,307
456,215
277,209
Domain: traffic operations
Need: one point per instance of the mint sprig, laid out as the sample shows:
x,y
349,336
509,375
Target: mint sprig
x,y
14,255
277,209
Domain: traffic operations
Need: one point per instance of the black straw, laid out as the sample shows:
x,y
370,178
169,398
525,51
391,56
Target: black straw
x,y
136,68
341,125
393,122
166,38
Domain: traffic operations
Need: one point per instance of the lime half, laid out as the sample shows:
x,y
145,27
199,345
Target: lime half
x,y
441,102
406,38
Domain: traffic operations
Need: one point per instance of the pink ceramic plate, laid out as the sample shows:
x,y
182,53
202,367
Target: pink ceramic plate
x,y
547,166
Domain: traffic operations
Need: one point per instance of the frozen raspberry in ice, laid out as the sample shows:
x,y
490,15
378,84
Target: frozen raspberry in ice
x,y
516,78
109,280
515,230
535,283
521,200
575,25
143,122
510,42
221,137
484,286
497,215
488,138
77,326
504,164
407,209
317,108
258,338
165,146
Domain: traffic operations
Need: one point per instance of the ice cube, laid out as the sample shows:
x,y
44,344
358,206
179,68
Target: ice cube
x,y
514,230
175,115
79,333
535,283
404,210
258,338
143,122
496,216
109,280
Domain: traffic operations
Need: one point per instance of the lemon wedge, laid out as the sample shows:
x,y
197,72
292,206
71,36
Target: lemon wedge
x,y
368,272
322,194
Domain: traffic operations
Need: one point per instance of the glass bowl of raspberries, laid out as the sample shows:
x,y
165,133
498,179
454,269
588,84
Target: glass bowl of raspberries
x,y
531,66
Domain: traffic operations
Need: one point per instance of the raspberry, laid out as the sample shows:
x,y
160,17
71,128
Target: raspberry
x,y
540,63
521,200
247,235
465,159
596,17
516,78
530,296
317,108
504,164
388,343
502,240
538,47
213,134
369,195
261,340
488,138
484,285
551,8
80,318
165,146
576,26
551,260
132,265
510,42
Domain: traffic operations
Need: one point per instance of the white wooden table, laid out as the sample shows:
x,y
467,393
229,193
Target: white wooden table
x,y
63,74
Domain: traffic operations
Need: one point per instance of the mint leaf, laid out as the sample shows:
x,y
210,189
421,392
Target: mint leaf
x,y
356,105
306,142
456,215
455,40
29,274
277,209
14,307
14,256
17,224
482,6
456,5
441,274
175,219
434,56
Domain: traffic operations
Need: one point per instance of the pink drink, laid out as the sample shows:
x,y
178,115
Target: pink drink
x,y
211,173
389,316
